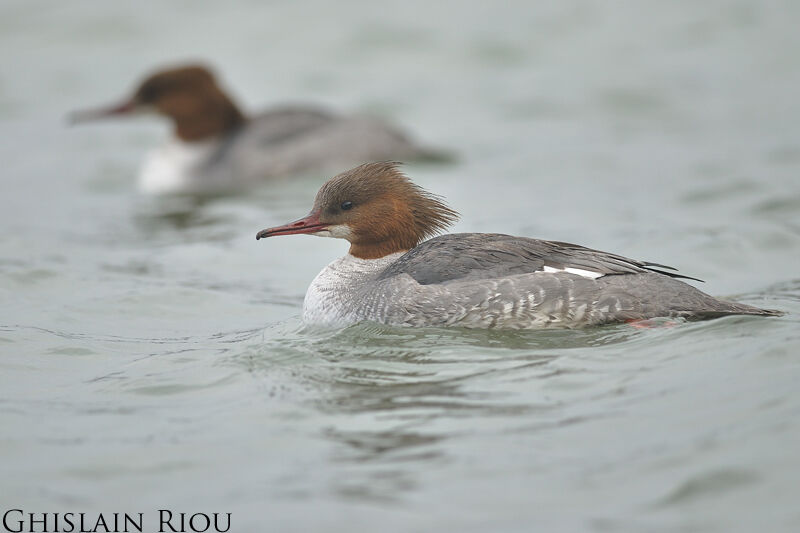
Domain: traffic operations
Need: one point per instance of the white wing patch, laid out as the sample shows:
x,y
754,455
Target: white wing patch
x,y
578,271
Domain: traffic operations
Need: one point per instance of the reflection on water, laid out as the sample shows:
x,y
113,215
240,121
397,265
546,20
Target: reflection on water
x,y
187,215
707,485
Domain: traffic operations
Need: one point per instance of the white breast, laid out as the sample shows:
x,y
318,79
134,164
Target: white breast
x,y
176,167
335,293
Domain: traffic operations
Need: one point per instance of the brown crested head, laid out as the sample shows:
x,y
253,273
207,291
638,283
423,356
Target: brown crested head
x,y
188,95
375,207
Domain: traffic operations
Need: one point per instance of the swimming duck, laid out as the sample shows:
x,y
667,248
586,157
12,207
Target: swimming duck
x,y
393,275
217,148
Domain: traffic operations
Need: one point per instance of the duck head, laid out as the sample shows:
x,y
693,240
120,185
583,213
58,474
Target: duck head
x,y
187,95
376,208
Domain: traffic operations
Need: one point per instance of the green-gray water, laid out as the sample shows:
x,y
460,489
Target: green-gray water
x,y
151,353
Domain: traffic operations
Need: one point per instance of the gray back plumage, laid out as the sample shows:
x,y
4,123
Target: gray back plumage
x,y
475,256
293,140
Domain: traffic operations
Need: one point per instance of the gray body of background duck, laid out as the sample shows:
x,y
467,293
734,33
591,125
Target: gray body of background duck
x,y
477,280
216,148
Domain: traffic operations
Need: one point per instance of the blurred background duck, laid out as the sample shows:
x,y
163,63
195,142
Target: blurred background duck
x,y
216,148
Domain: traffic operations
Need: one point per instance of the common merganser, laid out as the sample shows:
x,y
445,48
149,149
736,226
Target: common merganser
x,y
216,148
473,280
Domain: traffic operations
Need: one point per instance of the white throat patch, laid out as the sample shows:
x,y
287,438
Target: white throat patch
x,y
340,231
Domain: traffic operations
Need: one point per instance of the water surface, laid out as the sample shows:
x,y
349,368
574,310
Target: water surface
x,y
151,352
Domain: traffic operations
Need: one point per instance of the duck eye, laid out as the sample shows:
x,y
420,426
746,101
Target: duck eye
x,y
346,205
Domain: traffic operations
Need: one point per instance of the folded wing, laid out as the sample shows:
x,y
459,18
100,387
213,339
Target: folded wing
x,y
475,256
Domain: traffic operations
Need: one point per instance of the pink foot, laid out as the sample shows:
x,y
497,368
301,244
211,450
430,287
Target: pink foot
x,y
650,323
